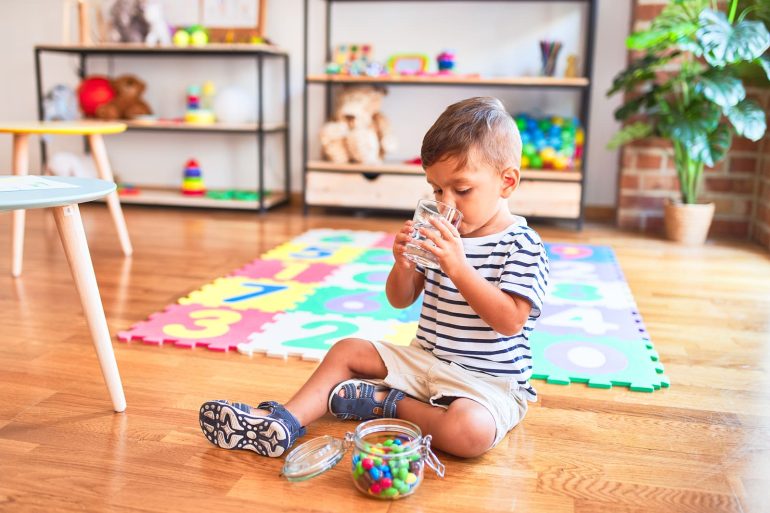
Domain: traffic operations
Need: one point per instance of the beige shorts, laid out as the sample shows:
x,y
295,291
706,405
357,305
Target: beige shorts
x,y
421,375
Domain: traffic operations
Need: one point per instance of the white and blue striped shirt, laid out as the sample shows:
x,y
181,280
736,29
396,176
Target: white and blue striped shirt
x,y
515,261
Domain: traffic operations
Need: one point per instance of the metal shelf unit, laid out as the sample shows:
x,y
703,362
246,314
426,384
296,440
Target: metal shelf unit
x,y
259,53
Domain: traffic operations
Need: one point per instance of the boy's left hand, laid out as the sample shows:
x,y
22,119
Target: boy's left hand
x,y
448,248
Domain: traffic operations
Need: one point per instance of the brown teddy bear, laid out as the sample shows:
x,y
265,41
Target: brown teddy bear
x,y
358,132
127,103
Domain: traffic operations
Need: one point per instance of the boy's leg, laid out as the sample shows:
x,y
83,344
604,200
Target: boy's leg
x,y
348,358
465,429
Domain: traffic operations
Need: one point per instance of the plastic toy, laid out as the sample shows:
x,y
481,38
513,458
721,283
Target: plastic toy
x,y
194,35
127,189
235,194
60,104
159,33
93,92
445,62
355,60
550,142
407,64
199,103
192,184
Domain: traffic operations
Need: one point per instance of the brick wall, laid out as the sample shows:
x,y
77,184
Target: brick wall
x,y
739,185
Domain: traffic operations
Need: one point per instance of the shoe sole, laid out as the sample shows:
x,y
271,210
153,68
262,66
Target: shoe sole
x,y
229,428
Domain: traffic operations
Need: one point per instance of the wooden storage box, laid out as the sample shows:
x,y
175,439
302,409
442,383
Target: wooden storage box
x,y
546,199
380,191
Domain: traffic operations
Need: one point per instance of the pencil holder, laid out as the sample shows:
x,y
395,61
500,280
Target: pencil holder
x,y
549,52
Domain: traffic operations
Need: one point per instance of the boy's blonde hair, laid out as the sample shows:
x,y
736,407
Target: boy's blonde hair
x,y
478,125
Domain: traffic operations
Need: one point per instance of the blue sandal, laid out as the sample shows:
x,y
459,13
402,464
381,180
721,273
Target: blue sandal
x,y
359,403
233,426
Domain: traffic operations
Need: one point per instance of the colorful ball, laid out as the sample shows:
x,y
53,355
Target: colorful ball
x,y
94,92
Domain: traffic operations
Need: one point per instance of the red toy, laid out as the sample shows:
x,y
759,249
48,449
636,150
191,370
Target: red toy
x,y
93,92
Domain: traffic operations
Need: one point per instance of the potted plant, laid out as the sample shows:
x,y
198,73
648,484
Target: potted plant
x,y
685,88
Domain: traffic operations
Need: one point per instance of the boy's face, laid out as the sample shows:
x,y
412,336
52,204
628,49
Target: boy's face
x,y
477,190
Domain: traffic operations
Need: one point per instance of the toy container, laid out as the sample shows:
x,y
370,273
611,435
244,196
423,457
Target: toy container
x,y
388,459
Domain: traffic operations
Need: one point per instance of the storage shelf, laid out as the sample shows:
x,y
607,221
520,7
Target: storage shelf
x,y
143,49
416,169
181,126
459,80
173,197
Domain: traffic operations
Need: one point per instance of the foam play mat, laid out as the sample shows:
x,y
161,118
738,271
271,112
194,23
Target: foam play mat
x,y
324,285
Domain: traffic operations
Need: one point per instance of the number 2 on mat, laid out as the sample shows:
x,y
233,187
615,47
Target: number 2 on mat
x,y
321,341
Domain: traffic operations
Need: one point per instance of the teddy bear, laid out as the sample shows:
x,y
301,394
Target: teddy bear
x,y
127,103
358,132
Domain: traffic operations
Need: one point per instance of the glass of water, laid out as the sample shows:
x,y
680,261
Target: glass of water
x,y
426,209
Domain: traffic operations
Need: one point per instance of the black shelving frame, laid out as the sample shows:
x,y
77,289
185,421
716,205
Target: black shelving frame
x,y
258,54
585,90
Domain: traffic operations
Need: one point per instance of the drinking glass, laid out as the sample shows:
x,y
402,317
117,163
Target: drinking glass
x,y
426,209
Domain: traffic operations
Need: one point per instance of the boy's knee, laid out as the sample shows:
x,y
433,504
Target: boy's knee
x,y
348,347
475,430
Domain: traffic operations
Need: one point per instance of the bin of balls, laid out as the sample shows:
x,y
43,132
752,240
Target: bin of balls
x,y
550,142
388,458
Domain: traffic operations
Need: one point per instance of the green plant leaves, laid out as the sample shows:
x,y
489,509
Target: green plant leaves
x,y
721,88
675,24
723,43
710,148
748,119
639,71
632,132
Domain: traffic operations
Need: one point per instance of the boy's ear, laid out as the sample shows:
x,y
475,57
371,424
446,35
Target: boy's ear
x,y
510,181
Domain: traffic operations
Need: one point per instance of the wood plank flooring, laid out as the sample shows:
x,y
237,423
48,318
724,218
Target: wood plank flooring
x,y
702,446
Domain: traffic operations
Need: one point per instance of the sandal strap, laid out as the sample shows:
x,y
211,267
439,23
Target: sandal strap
x,y
389,404
279,412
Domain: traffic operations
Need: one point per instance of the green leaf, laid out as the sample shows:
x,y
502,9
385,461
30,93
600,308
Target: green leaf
x,y
710,148
677,23
724,44
638,130
642,104
700,119
748,119
639,71
721,88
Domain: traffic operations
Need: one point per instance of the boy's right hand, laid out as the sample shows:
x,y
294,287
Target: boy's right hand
x,y
399,246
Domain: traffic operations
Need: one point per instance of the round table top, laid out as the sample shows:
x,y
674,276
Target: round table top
x,y
50,191
85,127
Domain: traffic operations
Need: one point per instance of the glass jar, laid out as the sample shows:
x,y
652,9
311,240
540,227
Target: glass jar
x,y
388,460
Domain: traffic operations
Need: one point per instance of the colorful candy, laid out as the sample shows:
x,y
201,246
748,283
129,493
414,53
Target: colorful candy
x,y
388,469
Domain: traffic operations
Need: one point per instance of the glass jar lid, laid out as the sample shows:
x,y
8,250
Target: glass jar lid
x,y
313,458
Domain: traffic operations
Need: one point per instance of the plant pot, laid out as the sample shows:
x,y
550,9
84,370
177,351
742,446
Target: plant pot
x,y
688,223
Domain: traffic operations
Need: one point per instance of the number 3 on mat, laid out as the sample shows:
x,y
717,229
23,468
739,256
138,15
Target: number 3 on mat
x,y
323,340
211,323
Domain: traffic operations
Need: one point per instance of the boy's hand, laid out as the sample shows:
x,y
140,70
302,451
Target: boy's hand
x,y
399,246
448,248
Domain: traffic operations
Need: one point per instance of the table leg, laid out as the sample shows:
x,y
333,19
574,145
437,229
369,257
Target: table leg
x,y
99,152
73,239
20,167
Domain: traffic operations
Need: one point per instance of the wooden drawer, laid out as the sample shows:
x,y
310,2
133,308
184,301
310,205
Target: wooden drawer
x,y
391,192
546,199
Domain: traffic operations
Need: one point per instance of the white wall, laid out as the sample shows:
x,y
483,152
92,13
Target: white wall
x,y
488,37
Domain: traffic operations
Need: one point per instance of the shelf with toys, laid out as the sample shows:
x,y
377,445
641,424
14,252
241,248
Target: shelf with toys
x,y
194,121
554,146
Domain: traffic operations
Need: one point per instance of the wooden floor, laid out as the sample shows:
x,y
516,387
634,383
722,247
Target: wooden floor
x,y
701,446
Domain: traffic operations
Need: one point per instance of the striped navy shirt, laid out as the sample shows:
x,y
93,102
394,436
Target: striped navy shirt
x,y
514,260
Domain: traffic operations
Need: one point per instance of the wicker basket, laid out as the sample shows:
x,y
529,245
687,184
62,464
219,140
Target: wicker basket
x,y
688,223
